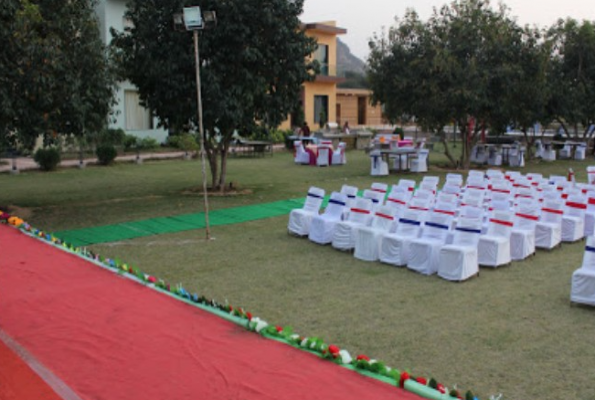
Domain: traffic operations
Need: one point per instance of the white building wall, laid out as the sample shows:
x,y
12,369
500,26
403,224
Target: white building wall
x,y
111,15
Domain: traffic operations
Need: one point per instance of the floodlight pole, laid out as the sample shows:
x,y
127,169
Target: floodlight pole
x,y
202,135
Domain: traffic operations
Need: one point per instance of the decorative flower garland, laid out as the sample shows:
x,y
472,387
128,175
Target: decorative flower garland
x,y
428,388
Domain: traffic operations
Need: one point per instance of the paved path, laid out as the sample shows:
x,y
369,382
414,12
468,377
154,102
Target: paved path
x,y
27,163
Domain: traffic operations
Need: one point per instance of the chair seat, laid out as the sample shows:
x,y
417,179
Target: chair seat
x,y
458,263
583,286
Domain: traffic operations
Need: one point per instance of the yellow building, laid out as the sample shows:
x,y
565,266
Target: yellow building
x,y
319,97
354,107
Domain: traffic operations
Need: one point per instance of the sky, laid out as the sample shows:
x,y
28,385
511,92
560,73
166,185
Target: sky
x,y
364,18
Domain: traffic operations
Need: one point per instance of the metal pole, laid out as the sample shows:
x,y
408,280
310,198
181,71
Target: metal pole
x,y
202,135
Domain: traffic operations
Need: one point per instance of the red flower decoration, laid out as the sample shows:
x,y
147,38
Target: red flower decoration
x,y
404,376
362,357
279,329
334,350
441,388
152,279
422,380
249,316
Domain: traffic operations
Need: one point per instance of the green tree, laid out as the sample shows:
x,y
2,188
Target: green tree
x,y
455,67
573,75
54,74
252,67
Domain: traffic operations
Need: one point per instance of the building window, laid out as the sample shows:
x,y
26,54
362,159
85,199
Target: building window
x,y
138,118
321,55
321,110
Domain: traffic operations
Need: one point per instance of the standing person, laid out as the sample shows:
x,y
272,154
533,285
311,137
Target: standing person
x,y
346,128
305,131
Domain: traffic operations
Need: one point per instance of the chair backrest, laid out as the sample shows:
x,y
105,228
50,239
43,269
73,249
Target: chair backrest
x,y
576,206
323,156
591,201
454,179
336,205
361,211
398,201
494,173
476,174
350,192
451,189
475,182
383,218
436,226
424,194
314,199
446,208
589,256
408,183
434,180
419,204
444,197
467,232
376,197
552,211
499,205
533,177
409,223
526,214
501,223
422,154
379,187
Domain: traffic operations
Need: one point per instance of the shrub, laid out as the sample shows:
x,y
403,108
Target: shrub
x,y
187,142
130,142
173,141
106,154
115,137
48,159
148,143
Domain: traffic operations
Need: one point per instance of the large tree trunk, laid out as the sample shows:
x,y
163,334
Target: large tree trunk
x,y
453,162
223,175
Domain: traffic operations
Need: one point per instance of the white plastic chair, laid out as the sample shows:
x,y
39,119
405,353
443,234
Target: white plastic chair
x,y
359,214
522,237
323,226
420,163
454,179
458,261
573,221
394,247
424,251
548,230
433,180
407,183
367,238
379,187
583,279
300,218
495,157
493,249
339,157
301,155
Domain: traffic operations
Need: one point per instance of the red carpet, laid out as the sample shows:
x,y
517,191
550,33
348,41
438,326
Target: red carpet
x,y
107,337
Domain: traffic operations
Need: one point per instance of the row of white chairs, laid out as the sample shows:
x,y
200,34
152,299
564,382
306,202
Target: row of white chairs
x,y
324,154
400,232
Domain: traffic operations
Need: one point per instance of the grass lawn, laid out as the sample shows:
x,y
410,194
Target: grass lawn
x,y
510,331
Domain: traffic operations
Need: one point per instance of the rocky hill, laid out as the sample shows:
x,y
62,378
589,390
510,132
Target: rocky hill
x,y
346,61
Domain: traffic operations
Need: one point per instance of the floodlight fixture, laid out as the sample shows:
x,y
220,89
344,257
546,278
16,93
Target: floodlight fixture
x,y
193,18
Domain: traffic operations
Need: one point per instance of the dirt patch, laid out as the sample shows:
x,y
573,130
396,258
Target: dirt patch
x,y
229,191
21,212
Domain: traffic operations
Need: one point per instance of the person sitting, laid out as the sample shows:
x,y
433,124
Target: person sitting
x,y
346,128
305,131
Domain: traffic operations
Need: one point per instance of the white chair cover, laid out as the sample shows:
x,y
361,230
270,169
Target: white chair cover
x,y
420,163
458,261
565,151
367,238
360,214
591,174
583,279
339,157
301,155
379,167
580,152
454,179
573,221
548,230
522,238
379,187
493,249
433,180
300,219
424,252
407,183
590,214
323,226
376,196
350,192
394,247
398,201
322,160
